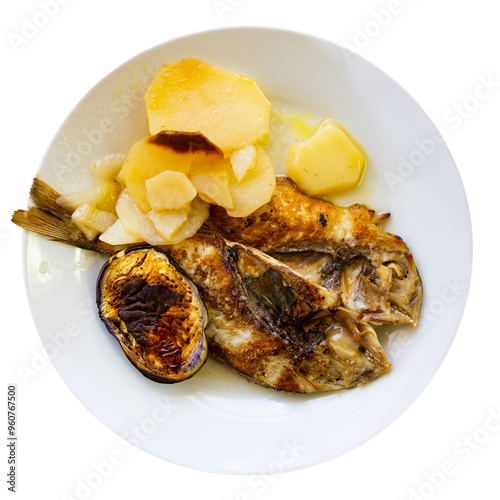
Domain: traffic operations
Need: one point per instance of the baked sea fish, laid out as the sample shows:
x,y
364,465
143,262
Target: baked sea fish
x,y
283,322
343,249
274,326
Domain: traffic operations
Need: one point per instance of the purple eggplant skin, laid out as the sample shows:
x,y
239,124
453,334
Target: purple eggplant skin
x,y
155,312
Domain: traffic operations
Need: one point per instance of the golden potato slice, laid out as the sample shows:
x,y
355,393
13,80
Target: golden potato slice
x,y
327,163
145,160
194,96
199,211
135,222
169,191
211,180
195,144
177,225
255,189
164,151
167,222
116,235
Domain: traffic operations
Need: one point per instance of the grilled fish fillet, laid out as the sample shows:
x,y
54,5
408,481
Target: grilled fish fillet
x,y
268,321
340,248
274,326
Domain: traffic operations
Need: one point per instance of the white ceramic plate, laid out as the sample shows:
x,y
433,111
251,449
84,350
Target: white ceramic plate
x,y
217,421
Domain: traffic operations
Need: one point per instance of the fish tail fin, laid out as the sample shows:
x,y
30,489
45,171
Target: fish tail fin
x,y
45,197
50,219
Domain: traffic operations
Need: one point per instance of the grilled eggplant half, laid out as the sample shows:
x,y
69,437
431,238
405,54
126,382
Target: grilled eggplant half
x,y
155,312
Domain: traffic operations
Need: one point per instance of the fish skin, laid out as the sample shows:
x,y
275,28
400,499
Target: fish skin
x,y
293,221
302,341
378,276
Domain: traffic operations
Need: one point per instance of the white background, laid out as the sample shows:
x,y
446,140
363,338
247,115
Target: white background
x,y
439,51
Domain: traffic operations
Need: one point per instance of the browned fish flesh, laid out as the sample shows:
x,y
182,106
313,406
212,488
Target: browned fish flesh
x,y
340,248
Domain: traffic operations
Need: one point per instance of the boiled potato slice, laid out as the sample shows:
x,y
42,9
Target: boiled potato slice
x,y
244,159
211,180
195,144
135,222
169,190
199,211
255,189
328,163
116,235
145,160
166,150
167,222
194,96
177,225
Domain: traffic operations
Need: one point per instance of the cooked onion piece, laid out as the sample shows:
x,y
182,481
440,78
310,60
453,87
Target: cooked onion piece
x,y
99,194
92,221
243,160
107,168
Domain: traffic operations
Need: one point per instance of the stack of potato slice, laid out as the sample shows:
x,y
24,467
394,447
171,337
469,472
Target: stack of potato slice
x,y
206,124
